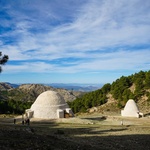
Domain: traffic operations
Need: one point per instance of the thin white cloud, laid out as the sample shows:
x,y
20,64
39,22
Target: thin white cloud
x,y
95,25
121,60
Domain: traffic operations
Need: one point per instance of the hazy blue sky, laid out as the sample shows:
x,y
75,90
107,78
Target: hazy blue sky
x,y
74,41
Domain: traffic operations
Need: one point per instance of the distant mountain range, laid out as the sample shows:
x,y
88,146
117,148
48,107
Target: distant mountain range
x,y
68,86
76,87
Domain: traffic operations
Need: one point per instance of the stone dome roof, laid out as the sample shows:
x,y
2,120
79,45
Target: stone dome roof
x,y
131,109
131,106
49,98
47,105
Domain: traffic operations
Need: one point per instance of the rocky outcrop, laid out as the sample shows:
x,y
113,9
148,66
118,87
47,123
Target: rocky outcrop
x,y
5,86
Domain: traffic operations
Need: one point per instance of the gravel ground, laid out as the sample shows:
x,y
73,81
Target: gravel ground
x,y
86,132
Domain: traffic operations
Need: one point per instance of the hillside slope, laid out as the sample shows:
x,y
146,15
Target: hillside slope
x,y
29,92
113,97
110,98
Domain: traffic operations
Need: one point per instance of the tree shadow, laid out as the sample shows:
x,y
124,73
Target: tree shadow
x,y
147,114
65,136
102,118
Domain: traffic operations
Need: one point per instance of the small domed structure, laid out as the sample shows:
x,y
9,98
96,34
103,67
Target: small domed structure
x,y
49,105
131,109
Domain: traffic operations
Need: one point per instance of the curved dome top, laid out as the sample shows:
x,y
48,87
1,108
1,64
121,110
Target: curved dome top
x,y
131,105
49,98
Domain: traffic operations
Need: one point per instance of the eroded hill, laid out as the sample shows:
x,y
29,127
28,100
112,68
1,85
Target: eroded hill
x,y
29,92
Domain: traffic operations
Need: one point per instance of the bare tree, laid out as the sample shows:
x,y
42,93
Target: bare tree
x,y
3,60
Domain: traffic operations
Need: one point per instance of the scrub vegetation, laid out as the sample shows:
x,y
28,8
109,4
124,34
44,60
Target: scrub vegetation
x,y
123,89
136,86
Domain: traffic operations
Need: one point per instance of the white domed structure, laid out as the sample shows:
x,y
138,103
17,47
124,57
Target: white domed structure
x,y
131,109
49,105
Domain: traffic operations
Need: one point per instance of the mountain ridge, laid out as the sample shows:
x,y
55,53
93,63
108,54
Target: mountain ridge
x,y
68,86
29,92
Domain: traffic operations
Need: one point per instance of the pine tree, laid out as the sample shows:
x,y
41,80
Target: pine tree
x,y
3,60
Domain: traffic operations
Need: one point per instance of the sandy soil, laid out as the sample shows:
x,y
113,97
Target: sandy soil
x,y
90,131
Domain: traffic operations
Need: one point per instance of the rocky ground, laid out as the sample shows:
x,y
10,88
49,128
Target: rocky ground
x,y
84,132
